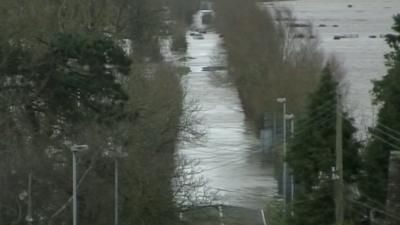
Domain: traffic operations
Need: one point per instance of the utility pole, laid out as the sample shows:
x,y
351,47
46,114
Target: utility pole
x,y
339,210
116,191
283,102
274,135
117,154
221,215
291,117
74,190
29,218
75,149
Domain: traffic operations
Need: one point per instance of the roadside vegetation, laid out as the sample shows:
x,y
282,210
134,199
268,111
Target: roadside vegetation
x,y
383,138
92,72
369,173
182,14
271,55
312,155
265,57
88,72
369,167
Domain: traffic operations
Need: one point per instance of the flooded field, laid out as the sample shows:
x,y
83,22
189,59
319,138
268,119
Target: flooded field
x,y
230,155
362,56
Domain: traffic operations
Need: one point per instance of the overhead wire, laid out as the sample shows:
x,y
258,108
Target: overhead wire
x,y
377,137
394,217
240,191
380,138
387,134
388,128
276,147
319,196
222,165
314,122
363,216
311,122
326,107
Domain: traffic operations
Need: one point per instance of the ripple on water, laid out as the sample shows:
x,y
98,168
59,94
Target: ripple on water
x,y
229,155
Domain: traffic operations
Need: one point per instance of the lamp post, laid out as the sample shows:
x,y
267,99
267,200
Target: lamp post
x,y
117,154
29,218
75,149
283,102
291,118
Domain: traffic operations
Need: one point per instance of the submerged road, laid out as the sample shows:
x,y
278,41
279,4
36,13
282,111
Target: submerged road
x,y
229,156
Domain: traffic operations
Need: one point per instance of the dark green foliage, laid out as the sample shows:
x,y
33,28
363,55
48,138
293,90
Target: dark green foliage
x,y
183,10
144,25
386,92
179,42
76,71
316,207
182,15
63,94
84,71
63,78
146,189
312,155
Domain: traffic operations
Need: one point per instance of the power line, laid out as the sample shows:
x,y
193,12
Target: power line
x,y
339,187
222,165
311,124
388,128
319,196
385,141
379,137
373,201
319,114
396,218
314,123
363,215
310,200
242,192
389,135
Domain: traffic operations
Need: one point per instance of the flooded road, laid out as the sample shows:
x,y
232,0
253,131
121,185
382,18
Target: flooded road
x,y
230,157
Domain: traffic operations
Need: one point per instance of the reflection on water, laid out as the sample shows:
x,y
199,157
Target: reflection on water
x,y
229,155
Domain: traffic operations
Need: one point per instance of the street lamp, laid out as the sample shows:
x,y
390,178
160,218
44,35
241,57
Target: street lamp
x,y
75,149
283,102
117,154
291,118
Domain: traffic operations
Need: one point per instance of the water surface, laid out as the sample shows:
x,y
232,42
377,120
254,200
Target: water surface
x,y
362,57
230,157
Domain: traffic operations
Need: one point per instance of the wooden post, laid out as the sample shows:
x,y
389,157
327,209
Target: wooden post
x,y
339,209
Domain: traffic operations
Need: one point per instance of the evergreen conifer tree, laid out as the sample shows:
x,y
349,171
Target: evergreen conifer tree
x,y
386,92
312,155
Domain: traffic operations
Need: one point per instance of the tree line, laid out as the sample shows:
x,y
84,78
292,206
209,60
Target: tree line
x,y
268,59
365,162
265,58
89,72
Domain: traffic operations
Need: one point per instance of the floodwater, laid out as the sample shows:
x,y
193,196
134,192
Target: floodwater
x,y
229,155
362,58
